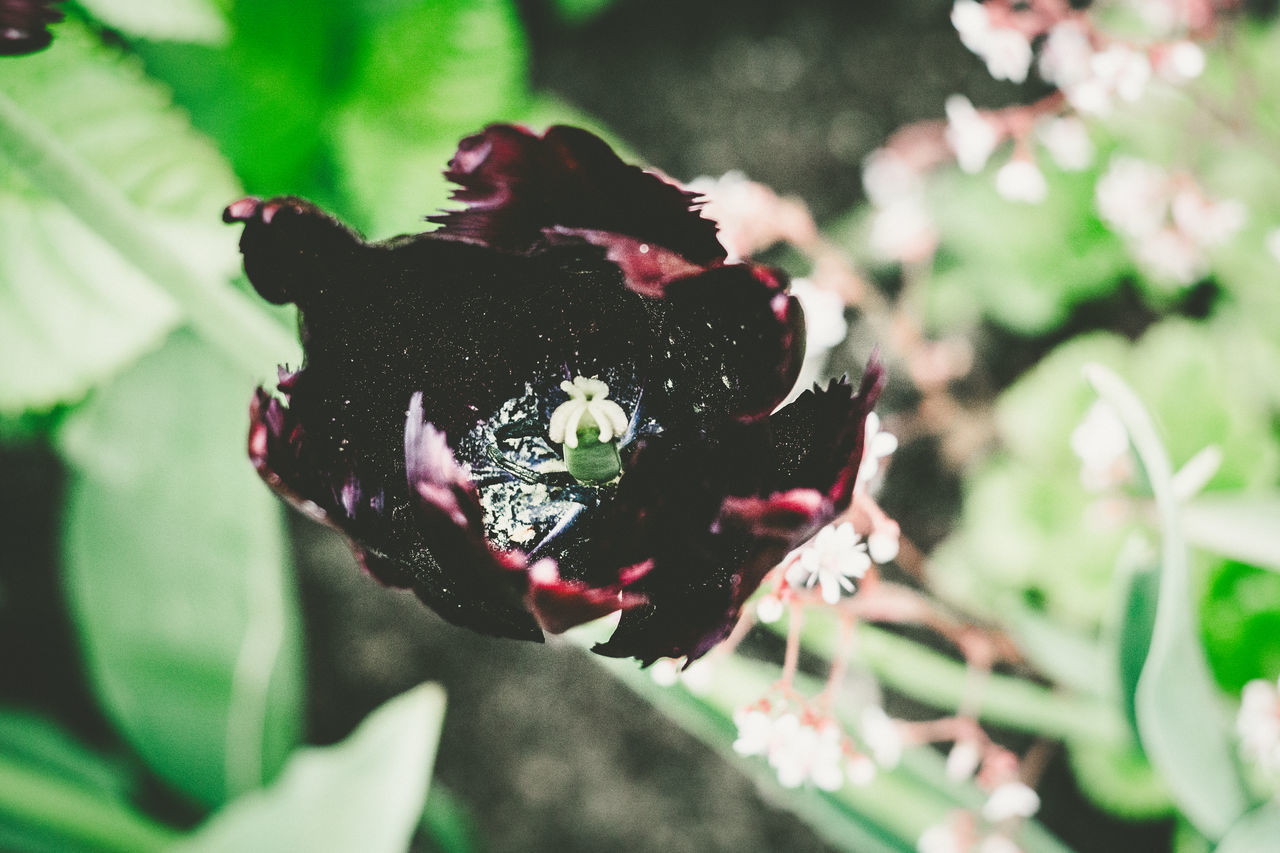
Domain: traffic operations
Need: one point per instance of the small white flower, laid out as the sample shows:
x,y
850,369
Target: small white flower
x,y
755,732
1181,61
971,135
1208,223
824,321
860,770
1258,725
1065,55
807,752
1007,53
877,446
941,838
883,545
1021,180
1133,196
1010,800
832,561
769,608
888,176
1170,255
882,736
665,672
902,231
971,22
1067,140
1124,70
1101,442
963,759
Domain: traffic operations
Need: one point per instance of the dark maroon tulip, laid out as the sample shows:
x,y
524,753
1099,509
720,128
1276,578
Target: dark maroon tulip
x,y
421,423
24,25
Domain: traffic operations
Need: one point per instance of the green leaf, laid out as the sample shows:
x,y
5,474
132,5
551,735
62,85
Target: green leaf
x,y
1256,832
425,76
177,574
57,794
1026,265
1243,527
73,308
1240,621
1119,780
1133,641
1181,722
163,20
363,795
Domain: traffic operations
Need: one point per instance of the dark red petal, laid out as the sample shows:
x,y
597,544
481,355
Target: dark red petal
x,y
516,184
735,342
819,437
24,26
278,453
292,248
455,572
646,267
698,592
560,604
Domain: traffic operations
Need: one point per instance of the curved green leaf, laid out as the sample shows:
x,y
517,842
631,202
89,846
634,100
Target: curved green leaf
x,y
1243,527
163,20
177,573
1180,721
363,795
74,305
1256,832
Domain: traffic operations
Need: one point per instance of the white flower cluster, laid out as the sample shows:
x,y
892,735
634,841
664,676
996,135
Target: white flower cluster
x,y
1008,802
1258,725
974,137
1168,221
1006,51
802,748
667,672
901,228
1094,79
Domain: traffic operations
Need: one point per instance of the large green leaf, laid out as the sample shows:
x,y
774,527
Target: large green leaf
x,y
74,306
177,574
1243,527
1256,832
1180,717
363,795
425,76
57,794
167,20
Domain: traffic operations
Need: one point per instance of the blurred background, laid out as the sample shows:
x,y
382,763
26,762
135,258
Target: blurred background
x,y
993,195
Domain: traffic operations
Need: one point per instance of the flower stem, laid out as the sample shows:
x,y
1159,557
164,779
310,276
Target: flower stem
x,y
219,313
37,799
937,680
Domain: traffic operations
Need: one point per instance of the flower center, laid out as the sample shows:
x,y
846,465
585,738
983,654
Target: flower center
x,y
589,425
540,460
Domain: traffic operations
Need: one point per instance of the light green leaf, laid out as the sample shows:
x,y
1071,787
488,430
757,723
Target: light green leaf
x,y
363,795
1119,780
1240,526
1181,722
177,572
1026,265
74,304
163,20
424,77
1256,832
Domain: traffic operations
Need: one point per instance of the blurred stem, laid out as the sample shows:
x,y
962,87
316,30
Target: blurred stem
x,y
41,800
934,678
220,314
